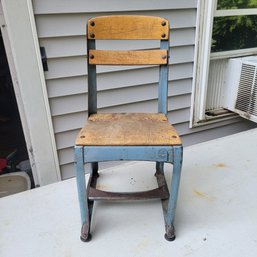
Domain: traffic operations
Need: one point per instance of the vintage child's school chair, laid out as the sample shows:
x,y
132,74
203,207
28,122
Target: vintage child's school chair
x,y
128,136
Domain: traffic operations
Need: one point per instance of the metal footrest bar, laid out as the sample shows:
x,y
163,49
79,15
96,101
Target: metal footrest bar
x,y
157,193
161,192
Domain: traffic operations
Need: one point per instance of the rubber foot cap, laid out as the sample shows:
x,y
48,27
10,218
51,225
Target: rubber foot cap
x,y
170,238
89,237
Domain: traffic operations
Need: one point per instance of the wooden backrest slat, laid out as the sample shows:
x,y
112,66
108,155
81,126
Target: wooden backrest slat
x,y
107,57
128,27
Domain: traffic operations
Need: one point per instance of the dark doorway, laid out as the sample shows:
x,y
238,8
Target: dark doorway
x,y
12,142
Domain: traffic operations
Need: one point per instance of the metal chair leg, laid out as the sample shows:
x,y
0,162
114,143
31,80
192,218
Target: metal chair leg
x,y
171,208
159,167
82,194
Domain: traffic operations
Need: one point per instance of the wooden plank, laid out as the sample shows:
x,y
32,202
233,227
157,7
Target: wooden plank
x,y
128,129
148,57
128,27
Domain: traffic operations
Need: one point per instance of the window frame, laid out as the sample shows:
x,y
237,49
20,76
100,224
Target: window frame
x,y
206,11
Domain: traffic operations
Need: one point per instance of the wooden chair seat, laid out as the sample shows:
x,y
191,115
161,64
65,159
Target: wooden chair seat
x,y
128,129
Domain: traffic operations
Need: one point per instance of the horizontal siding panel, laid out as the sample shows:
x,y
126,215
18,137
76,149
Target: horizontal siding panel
x,y
67,171
106,81
119,96
182,37
61,67
60,25
68,122
66,86
77,6
66,155
174,103
58,47
179,116
75,120
66,139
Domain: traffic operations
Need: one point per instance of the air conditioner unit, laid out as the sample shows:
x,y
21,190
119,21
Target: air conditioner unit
x,y
241,87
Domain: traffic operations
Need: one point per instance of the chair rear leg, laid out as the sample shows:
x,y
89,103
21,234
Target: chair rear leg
x,y
171,208
94,167
82,194
159,167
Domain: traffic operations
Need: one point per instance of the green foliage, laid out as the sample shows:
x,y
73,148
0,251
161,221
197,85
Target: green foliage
x,y
234,32
236,4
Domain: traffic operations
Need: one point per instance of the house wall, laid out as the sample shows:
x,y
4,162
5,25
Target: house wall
x,y
61,30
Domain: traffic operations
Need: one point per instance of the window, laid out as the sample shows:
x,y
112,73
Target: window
x,y
226,29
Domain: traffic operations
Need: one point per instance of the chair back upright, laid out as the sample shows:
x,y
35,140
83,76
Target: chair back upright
x,y
128,28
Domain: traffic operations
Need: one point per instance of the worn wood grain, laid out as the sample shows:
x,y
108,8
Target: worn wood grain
x,y
128,27
148,57
128,129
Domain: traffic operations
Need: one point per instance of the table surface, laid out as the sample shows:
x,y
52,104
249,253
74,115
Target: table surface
x,y
216,212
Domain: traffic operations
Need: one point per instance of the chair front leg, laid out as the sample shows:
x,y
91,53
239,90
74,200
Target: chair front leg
x,y
82,194
170,214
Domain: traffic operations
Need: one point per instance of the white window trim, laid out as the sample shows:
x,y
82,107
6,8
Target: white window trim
x,y
206,12
22,47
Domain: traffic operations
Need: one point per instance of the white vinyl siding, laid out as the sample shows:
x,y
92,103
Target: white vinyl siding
x,y
61,30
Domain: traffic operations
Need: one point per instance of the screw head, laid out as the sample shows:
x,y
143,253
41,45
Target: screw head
x,y
92,23
163,23
92,35
163,35
164,57
91,56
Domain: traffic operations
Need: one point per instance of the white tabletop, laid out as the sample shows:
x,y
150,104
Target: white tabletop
x,y
216,213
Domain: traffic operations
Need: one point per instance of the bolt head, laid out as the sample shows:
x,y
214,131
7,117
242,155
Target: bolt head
x,y
163,35
163,23
92,35
92,23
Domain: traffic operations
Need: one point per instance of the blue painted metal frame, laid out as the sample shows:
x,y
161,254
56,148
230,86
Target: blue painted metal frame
x,y
92,85
163,82
125,153
158,154
81,184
